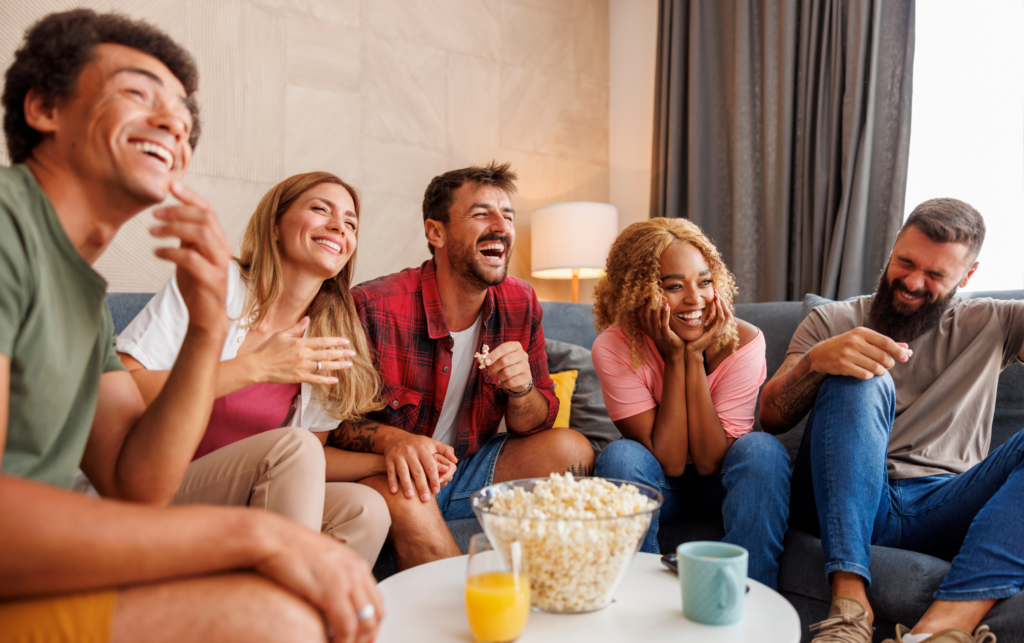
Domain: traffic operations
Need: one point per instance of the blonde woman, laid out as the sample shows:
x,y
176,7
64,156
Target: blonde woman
x,y
680,376
294,364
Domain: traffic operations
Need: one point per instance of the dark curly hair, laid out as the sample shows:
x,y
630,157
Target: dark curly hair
x,y
440,194
58,47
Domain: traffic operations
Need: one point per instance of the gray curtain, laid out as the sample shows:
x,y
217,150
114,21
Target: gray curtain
x,y
782,128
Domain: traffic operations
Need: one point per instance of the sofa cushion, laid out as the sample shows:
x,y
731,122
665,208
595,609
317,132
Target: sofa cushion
x,y
587,413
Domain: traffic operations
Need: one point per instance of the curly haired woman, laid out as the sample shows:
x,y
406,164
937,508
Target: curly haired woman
x,y
680,376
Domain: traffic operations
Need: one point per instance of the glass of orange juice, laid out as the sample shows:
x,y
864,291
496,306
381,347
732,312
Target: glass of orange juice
x,y
497,592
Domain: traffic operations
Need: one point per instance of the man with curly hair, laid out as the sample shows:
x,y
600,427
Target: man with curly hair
x,y
442,407
101,122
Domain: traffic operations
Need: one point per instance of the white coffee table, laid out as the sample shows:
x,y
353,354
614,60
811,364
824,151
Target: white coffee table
x,y
426,604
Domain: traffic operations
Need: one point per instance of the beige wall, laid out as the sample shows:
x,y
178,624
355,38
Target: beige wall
x,y
633,58
386,93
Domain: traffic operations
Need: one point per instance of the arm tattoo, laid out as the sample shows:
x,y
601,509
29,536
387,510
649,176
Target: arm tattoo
x,y
355,435
797,388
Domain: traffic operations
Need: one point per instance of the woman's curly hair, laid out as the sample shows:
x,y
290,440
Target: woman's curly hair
x,y
59,46
633,279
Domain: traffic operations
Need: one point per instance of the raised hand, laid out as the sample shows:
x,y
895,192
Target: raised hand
x,y
510,365
202,257
655,323
719,317
288,358
861,353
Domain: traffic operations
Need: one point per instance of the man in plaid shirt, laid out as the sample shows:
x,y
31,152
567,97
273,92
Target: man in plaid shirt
x,y
443,406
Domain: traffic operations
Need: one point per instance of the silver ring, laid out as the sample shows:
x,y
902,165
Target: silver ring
x,y
368,611
318,365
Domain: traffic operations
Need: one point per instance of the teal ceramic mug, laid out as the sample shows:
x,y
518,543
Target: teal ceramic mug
x,y
713,577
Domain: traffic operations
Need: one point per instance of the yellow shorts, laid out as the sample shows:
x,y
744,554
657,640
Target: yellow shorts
x,y
79,618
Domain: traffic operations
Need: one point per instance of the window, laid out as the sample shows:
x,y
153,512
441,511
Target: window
x,y
967,127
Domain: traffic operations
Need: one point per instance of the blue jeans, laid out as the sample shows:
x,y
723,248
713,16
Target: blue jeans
x,y
750,493
974,518
472,473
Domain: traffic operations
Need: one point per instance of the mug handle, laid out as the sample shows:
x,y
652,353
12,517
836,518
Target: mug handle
x,y
732,589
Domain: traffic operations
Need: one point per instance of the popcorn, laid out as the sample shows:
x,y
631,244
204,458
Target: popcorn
x,y
578,537
481,356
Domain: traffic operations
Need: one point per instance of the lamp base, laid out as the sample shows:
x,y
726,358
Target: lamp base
x,y
575,286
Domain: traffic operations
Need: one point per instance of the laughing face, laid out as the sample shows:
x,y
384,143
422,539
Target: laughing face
x,y
918,285
317,234
689,289
479,235
127,125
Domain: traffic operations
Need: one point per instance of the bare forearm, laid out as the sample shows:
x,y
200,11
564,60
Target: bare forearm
x,y
708,441
789,396
349,466
526,413
59,541
669,440
232,375
159,446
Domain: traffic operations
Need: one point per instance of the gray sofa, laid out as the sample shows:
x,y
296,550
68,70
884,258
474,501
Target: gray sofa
x,y
903,581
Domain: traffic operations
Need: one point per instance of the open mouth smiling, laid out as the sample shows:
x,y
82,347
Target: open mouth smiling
x,y
328,244
692,318
493,252
159,152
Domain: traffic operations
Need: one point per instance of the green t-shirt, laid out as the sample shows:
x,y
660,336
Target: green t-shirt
x,y
55,327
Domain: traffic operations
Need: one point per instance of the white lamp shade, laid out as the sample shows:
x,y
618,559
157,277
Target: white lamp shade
x,y
572,236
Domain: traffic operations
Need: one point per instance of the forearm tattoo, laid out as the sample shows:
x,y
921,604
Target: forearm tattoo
x,y
355,435
792,395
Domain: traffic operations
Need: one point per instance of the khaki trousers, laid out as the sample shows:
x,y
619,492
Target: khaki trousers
x,y
283,471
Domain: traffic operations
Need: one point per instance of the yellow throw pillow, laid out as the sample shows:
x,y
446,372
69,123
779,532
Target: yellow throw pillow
x,y
565,386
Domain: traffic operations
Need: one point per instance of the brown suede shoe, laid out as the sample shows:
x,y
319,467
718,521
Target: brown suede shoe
x,y
847,622
952,635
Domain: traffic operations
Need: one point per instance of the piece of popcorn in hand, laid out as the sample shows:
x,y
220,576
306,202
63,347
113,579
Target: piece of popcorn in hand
x,y
481,356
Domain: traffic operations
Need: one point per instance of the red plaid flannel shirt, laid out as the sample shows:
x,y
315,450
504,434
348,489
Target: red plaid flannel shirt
x,y
404,323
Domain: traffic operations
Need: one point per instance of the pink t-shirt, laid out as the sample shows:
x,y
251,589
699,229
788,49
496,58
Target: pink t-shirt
x,y
627,392
246,412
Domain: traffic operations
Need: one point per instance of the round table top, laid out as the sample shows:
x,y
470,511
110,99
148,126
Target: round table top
x,y
427,603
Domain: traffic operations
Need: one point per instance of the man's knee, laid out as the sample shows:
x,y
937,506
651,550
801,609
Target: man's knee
x,y
398,505
217,608
571,445
879,388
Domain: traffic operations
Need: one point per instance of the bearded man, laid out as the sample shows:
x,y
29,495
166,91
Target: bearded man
x,y
901,390
443,405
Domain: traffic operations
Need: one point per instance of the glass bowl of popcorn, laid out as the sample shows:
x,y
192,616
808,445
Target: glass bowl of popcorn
x,y
578,535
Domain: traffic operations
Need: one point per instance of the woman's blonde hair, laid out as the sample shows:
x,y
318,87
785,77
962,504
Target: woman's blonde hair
x,y
633,279
332,312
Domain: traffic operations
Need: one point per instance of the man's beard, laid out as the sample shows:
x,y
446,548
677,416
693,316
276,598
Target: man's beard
x,y
463,260
899,323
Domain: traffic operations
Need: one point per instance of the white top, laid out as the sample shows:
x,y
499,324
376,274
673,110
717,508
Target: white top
x,y
155,336
427,603
463,348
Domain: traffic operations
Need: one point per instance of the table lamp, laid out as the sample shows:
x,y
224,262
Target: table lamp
x,y
571,241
